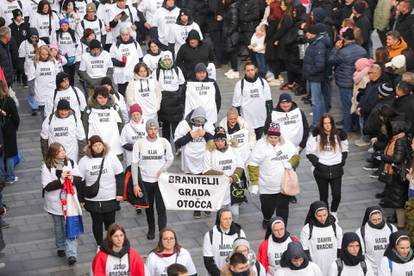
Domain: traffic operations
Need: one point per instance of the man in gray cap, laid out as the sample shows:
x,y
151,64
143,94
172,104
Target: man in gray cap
x,y
191,136
151,156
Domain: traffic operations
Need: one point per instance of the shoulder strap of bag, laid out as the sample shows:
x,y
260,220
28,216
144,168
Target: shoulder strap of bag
x,y
210,234
257,264
390,264
363,236
340,266
77,96
100,170
242,86
364,267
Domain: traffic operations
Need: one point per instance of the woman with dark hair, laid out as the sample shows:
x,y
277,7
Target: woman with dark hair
x,y
71,13
381,57
393,171
276,42
275,243
295,262
285,43
327,150
144,91
351,261
374,234
56,168
167,252
10,119
87,37
398,258
272,17
102,173
321,236
45,21
231,36
153,55
116,257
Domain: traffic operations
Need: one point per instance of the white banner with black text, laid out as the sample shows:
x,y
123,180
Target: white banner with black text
x,y
193,192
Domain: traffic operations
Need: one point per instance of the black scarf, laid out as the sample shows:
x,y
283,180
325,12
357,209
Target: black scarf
x,y
368,212
313,209
269,231
234,129
346,257
391,252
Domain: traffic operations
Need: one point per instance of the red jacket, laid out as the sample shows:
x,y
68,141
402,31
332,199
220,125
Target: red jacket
x,y
262,253
136,265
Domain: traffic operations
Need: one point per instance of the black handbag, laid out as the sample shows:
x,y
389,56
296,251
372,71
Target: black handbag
x,y
92,191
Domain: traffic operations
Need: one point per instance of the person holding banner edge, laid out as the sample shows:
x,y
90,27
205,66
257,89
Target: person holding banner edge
x,y
154,156
223,158
268,161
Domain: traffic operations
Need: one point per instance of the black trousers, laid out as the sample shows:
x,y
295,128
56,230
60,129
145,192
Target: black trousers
x,y
154,194
271,202
323,187
259,132
122,88
98,219
218,45
70,70
168,129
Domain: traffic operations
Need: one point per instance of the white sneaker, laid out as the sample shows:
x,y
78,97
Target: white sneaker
x,y
228,73
275,82
361,143
269,76
234,75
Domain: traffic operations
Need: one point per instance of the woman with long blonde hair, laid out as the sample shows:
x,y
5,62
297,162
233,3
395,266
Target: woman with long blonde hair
x,y
45,71
56,168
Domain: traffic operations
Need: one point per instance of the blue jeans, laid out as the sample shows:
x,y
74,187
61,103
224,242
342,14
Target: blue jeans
x,y
326,92
318,102
261,63
7,173
346,103
33,104
62,243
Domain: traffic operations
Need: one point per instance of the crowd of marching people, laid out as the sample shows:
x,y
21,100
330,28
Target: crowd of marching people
x,y
124,87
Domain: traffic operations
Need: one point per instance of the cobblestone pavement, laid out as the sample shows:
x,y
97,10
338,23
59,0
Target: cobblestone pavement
x,y
30,240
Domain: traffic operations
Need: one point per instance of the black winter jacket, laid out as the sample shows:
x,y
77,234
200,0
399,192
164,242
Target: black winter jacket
x,y
231,27
19,32
405,26
249,15
405,106
6,62
188,57
10,126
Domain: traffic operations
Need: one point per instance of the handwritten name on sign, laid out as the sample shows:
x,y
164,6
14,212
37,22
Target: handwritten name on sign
x,y
193,192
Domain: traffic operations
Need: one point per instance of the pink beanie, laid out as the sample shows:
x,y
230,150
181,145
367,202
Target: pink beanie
x,y
135,108
363,63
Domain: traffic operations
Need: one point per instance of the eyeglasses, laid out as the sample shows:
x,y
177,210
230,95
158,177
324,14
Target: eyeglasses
x,y
369,73
168,239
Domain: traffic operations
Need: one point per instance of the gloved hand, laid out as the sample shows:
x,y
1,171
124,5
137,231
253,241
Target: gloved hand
x,y
254,189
